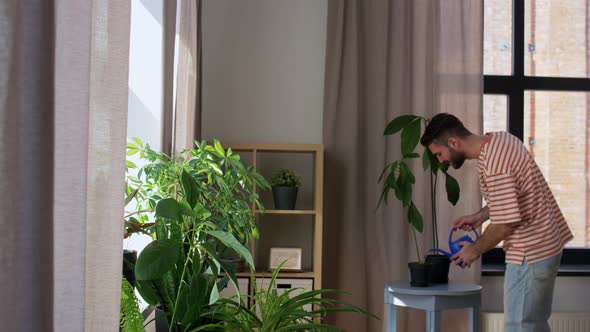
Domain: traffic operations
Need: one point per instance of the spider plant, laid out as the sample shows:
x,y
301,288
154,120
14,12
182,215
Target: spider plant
x,y
276,311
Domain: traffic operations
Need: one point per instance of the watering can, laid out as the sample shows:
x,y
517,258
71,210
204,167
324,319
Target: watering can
x,y
454,246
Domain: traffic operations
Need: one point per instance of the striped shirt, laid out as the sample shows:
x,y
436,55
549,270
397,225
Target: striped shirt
x,y
516,191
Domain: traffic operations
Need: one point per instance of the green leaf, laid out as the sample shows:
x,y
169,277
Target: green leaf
x,y
131,152
434,164
189,187
219,148
398,124
174,210
130,164
147,291
230,241
453,189
444,167
214,295
138,141
426,159
412,155
156,259
169,208
415,218
411,136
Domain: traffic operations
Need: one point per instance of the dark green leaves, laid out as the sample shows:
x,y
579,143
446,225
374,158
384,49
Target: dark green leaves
x,y
415,218
230,241
411,136
453,189
156,259
172,209
398,124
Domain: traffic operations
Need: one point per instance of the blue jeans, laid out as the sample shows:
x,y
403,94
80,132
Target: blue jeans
x,y
528,295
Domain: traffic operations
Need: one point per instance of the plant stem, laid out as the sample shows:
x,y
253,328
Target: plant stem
x,y
416,242
434,218
186,261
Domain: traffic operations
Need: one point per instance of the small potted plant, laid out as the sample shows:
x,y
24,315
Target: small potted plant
x,y
285,184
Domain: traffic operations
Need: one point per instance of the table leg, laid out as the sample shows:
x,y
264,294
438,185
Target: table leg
x,y
433,321
474,319
390,312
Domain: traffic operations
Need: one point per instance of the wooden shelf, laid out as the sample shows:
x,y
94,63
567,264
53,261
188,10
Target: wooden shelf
x,y
261,147
305,274
311,212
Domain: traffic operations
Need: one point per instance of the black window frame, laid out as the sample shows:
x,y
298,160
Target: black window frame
x,y
575,261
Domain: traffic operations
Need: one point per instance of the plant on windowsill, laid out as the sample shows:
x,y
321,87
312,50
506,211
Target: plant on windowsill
x,y
399,178
203,206
285,184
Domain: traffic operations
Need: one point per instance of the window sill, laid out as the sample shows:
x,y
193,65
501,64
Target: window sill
x,y
565,270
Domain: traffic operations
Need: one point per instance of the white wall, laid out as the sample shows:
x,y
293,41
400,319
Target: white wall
x,y
570,294
263,70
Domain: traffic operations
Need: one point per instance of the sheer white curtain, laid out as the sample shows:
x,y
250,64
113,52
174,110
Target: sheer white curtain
x,y
63,97
387,58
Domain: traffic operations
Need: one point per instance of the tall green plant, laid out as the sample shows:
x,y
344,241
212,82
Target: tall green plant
x,y
278,312
400,178
204,205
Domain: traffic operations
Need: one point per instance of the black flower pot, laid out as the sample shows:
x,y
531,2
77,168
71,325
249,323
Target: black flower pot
x,y
284,197
129,259
419,274
439,271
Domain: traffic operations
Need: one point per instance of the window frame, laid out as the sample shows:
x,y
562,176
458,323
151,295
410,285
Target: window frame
x,y
575,261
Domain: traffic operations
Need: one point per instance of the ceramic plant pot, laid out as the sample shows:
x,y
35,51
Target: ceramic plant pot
x,y
284,197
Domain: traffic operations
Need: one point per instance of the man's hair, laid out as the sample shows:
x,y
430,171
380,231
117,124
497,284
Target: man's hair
x,y
441,127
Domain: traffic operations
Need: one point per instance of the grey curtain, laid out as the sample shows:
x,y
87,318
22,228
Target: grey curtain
x,y
383,59
63,99
186,121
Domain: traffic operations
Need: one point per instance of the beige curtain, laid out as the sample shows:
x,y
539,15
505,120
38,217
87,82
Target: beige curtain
x,y
63,97
387,58
186,121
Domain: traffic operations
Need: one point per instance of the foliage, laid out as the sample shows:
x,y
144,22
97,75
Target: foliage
x,y
400,178
203,206
278,312
285,178
130,319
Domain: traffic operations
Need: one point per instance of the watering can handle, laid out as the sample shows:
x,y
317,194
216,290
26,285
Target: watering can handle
x,y
453,231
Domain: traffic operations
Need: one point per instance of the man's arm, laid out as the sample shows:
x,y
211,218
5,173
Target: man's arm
x,y
494,234
472,221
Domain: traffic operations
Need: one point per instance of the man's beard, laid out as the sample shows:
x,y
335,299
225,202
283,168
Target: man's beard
x,y
457,158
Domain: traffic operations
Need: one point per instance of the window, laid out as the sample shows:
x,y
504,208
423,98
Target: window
x,y
537,86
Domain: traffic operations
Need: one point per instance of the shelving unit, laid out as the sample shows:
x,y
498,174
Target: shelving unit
x,y
301,227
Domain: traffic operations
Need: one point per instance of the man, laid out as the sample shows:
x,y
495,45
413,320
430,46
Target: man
x,y
522,212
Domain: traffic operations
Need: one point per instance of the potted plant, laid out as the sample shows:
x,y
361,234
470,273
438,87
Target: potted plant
x,y
203,206
275,311
285,184
399,178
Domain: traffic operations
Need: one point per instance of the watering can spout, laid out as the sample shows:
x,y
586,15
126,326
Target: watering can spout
x,y
442,252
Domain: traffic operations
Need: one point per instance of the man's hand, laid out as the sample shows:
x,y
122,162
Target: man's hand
x,y
466,256
472,221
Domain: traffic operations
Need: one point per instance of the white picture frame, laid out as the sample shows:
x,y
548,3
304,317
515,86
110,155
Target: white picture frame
x,y
292,256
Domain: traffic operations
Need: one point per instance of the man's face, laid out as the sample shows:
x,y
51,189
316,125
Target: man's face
x,y
444,153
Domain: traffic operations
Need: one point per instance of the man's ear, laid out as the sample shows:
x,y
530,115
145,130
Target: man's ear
x,y
453,142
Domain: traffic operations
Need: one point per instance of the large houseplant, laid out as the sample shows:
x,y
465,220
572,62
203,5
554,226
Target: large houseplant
x,y
400,178
203,206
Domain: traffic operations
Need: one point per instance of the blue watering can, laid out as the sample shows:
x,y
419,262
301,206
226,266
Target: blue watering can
x,y
454,246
